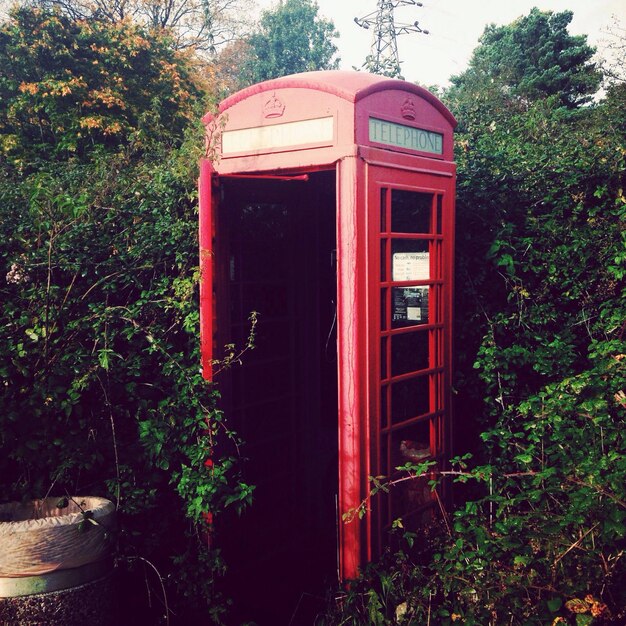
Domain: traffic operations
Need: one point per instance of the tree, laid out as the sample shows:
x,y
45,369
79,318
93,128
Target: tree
x,y
67,86
541,296
290,38
203,25
614,66
534,57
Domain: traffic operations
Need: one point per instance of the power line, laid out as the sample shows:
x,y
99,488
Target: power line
x,y
383,58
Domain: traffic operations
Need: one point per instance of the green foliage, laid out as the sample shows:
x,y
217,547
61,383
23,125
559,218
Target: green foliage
x,y
290,38
534,57
541,198
99,358
544,544
384,67
100,362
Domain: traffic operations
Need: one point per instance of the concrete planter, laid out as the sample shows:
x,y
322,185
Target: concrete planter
x,y
56,562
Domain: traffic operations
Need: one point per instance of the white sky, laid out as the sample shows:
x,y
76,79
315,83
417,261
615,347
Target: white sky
x,y
454,27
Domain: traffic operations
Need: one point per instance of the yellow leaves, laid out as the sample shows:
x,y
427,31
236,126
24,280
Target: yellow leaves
x,y
133,42
597,608
588,605
91,122
105,96
31,88
94,122
50,21
92,84
521,291
99,49
576,605
52,88
8,142
401,611
171,70
113,129
463,144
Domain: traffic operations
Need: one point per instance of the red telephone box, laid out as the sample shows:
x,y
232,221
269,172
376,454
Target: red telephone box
x,y
328,207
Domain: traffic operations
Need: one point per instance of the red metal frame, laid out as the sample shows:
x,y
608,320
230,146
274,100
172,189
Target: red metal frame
x,y
364,171
205,236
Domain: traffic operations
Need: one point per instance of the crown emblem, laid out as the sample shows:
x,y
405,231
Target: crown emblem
x,y
273,107
408,109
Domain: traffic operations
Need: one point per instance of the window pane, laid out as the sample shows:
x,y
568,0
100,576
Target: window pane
x,y
384,392
383,210
383,260
409,353
383,357
439,215
269,300
411,444
409,398
411,211
384,316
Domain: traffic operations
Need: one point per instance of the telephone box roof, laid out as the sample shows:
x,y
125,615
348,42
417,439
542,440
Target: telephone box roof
x,y
348,85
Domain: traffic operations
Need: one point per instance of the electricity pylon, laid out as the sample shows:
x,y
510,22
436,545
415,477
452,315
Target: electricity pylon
x,y
383,57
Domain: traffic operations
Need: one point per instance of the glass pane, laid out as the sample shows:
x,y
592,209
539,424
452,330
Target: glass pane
x,y
384,392
268,300
261,381
411,444
383,310
412,495
383,358
409,353
383,210
383,260
411,211
439,215
260,260
409,398
384,461
410,259
409,306
266,420
268,220
437,360
272,340
438,270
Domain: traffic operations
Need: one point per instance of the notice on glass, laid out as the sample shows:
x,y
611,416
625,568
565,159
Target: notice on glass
x,y
410,306
410,266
